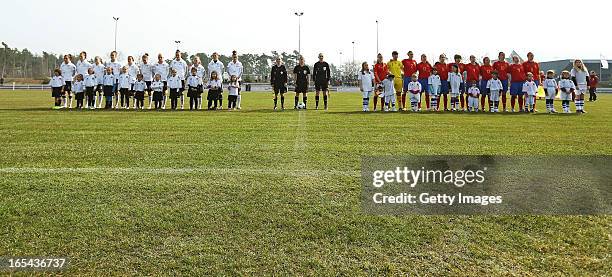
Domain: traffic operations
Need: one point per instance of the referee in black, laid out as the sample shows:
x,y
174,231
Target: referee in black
x,y
278,80
301,72
321,76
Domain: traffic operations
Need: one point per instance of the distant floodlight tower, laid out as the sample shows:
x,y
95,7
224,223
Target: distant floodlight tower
x,y
377,37
178,45
299,15
116,21
353,51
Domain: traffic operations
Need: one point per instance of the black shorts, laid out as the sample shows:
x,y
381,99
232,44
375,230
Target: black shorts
x,y
139,95
194,91
301,87
68,86
175,93
321,86
99,89
158,95
213,94
89,91
592,90
56,91
124,91
108,91
79,95
280,89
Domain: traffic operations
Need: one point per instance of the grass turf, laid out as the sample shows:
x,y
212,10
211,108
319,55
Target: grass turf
x,y
263,192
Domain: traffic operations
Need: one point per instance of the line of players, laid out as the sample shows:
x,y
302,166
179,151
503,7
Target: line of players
x,y
470,84
90,84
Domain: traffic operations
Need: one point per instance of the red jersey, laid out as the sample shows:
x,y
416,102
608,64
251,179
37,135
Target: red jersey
x,y
410,67
473,72
532,67
517,73
486,71
593,81
424,70
380,72
502,69
442,69
460,65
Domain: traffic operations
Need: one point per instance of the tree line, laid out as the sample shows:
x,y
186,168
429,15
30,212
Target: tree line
x,y
24,64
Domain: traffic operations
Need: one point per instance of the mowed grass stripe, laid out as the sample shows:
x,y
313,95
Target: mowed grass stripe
x,y
258,192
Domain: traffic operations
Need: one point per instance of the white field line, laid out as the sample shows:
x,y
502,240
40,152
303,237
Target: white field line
x,y
177,171
300,135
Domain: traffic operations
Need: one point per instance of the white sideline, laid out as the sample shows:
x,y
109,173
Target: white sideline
x,y
171,171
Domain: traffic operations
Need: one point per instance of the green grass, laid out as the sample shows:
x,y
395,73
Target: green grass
x,y
258,192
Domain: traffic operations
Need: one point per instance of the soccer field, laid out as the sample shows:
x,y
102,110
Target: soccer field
x,y
259,192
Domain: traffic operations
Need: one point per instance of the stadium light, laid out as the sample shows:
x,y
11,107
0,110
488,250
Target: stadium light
x,y
299,15
178,43
353,51
116,20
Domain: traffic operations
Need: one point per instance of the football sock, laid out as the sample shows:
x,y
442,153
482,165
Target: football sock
x,y
403,101
427,100
275,102
325,101
297,98
238,101
445,101
282,101
304,98
503,97
317,101
520,101
366,103
462,101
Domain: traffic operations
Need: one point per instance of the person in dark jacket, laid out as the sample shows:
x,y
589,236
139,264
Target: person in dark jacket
x,y
321,74
278,80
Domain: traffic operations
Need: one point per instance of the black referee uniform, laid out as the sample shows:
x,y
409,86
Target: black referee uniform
x,y
301,82
278,80
321,76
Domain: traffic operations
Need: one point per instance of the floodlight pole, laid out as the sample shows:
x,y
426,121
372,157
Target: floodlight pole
x,y
116,20
178,43
299,15
377,37
353,52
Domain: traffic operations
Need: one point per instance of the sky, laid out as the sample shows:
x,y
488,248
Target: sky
x,y
551,29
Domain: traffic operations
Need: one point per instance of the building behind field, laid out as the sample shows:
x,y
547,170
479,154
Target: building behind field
x,y
605,75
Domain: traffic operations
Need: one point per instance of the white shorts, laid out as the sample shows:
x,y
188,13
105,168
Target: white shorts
x,y
551,93
581,89
415,97
366,94
494,95
566,96
390,98
473,102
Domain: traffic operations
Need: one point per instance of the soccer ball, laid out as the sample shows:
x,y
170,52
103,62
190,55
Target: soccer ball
x,y
301,106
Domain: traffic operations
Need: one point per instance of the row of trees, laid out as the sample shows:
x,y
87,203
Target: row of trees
x,y
23,64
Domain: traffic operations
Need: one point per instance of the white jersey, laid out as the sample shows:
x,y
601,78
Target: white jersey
x,y
495,85
214,84
367,80
216,67
99,72
530,88
235,69
133,72
162,69
414,87
566,84
140,86
181,68
116,69
91,80
77,87
474,91
233,89
388,87
125,80
82,67
550,84
581,76
455,80
201,71
435,83
147,70
108,80
68,70
174,82
157,86
194,81
57,82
